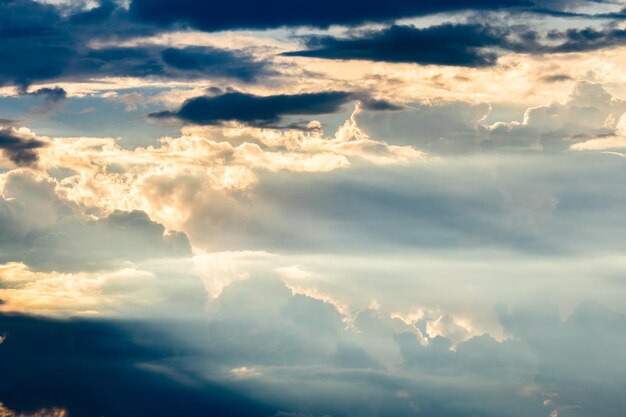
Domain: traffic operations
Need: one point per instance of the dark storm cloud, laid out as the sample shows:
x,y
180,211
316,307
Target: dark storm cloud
x,y
471,45
580,40
99,368
22,151
39,43
183,63
448,44
253,109
252,14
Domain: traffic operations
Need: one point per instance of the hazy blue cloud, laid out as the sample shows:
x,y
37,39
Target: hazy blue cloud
x,y
268,352
47,232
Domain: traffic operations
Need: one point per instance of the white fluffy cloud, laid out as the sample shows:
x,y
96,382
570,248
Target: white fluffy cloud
x,y
204,169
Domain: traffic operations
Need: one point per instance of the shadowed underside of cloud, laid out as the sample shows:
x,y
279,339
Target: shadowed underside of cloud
x,y
253,109
259,15
588,39
39,43
448,44
471,45
46,63
103,368
21,150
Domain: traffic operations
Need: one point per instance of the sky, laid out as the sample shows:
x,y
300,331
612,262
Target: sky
x,y
312,209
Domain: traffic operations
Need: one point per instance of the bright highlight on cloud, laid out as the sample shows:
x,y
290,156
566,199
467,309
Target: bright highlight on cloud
x,y
315,209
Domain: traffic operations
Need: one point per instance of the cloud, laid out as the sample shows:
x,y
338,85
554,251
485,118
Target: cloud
x,y
107,368
46,412
448,44
207,175
173,63
206,61
61,47
262,349
588,39
20,147
51,98
52,95
439,126
252,15
253,109
614,141
588,110
556,78
446,127
48,232
465,44
592,364
95,15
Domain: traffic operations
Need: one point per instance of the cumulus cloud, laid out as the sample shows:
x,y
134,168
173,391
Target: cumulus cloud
x,y
615,141
451,127
587,110
43,228
208,171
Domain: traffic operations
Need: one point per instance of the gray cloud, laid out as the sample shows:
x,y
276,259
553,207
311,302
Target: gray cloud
x,y
265,111
57,48
48,233
19,148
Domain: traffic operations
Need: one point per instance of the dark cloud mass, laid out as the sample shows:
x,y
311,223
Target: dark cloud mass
x,y
99,368
41,42
54,95
580,40
253,109
38,43
471,45
447,44
21,150
259,15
